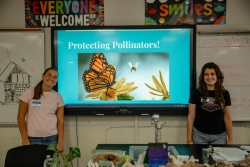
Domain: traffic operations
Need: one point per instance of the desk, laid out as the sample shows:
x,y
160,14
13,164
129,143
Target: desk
x,y
183,149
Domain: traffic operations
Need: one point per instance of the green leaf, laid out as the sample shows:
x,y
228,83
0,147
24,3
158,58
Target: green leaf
x,y
75,153
76,150
124,97
165,98
54,165
51,147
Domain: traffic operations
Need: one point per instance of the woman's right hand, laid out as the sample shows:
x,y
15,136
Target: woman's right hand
x,y
190,142
25,142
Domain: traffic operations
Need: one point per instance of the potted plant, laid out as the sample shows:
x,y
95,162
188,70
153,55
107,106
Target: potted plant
x,y
74,153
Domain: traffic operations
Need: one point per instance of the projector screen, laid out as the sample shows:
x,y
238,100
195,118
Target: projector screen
x,y
125,70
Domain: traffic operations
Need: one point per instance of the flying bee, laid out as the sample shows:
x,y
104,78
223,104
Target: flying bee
x,y
133,68
22,59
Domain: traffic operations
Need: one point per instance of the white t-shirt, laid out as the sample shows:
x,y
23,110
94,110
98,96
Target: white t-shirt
x,y
41,116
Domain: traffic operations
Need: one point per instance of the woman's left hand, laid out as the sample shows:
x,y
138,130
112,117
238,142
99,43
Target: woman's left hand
x,y
60,147
229,142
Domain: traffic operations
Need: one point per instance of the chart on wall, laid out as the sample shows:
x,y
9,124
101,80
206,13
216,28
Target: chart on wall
x,y
21,67
232,54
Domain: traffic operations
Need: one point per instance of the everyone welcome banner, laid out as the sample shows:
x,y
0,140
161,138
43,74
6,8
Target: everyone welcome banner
x,y
177,12
58,13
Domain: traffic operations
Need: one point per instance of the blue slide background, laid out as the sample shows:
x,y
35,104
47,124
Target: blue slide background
x,y
173,42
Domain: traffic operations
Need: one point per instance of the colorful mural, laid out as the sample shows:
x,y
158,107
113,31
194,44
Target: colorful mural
x,y
177,12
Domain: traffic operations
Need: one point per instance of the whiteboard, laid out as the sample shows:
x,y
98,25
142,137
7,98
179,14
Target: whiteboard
x,y
232,54
21,66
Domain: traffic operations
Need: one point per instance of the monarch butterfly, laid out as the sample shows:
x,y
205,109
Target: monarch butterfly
x,y
100,74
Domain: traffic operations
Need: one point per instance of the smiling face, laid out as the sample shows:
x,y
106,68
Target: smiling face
x,y
210,78
49,79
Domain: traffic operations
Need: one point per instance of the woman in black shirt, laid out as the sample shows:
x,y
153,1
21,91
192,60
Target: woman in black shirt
x,y
209,119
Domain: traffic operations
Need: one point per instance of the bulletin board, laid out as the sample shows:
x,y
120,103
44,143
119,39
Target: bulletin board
x,y
21,66
231,52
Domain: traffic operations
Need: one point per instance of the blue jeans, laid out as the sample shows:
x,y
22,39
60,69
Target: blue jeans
x,y
44,140
203,138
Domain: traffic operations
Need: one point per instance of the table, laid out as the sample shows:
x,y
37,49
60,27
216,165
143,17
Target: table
x,y
183,149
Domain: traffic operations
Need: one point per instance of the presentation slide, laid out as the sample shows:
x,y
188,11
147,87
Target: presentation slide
x,y
124,66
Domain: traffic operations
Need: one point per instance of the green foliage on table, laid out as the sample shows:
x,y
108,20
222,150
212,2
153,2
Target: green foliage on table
x,y
75,153
125,97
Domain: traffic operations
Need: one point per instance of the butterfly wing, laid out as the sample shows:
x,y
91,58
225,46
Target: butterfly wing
x,y
100,75
90,79
98,62
95,84
109,74
88,74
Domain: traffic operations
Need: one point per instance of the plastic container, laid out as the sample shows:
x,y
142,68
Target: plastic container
x,y
47,162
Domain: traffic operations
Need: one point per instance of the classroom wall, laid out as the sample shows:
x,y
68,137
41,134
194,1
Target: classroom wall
x,y
88,131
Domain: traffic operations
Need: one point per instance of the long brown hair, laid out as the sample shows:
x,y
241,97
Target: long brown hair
x,y
219,88
38,92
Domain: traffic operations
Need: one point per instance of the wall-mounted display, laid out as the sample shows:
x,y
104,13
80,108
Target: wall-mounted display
x,y
129,70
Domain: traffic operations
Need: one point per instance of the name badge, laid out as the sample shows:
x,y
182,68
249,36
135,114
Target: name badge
x,y
36,104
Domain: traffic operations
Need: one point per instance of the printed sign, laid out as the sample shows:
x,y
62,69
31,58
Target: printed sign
x,y
57,13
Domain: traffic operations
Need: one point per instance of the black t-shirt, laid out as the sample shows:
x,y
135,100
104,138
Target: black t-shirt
x,y
209,117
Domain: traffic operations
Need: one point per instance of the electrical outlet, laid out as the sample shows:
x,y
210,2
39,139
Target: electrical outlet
x,y
183,158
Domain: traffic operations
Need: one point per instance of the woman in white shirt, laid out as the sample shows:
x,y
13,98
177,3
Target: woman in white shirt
x,y
41,113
